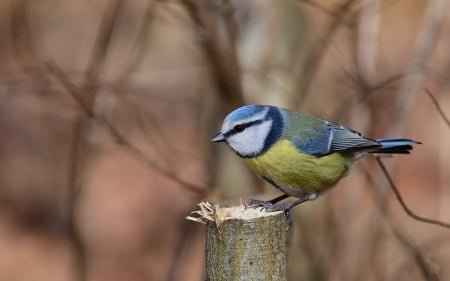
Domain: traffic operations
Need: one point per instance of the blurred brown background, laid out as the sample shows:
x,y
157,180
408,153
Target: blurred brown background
x,y
107,108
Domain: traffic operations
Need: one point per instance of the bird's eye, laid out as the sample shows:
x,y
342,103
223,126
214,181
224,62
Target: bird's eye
x,y
239,128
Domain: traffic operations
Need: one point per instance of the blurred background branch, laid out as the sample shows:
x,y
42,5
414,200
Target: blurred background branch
x,y
108,107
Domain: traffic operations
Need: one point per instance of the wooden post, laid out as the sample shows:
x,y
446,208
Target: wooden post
x,y
244,244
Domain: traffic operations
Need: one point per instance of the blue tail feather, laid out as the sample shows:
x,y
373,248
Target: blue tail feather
x,y
395,146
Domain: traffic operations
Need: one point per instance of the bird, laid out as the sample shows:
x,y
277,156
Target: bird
x,y
297,153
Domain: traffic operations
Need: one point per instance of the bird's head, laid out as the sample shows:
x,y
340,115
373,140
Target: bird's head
x,y
251,129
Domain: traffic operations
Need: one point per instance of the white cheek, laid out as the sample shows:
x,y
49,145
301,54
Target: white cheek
x,y
250,141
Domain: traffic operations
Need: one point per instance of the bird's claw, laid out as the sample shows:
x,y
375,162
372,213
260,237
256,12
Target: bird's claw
x,y
284,208
255,203
268,206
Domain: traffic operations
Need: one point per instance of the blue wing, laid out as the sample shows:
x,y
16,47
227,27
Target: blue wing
x,y
313,142
348,140
318,137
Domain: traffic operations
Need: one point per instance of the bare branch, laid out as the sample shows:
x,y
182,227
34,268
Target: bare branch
x,y
102,44
70,87
418,256
438,107
408,211
221,54
433,18
119,137
140,42
325,10
304,73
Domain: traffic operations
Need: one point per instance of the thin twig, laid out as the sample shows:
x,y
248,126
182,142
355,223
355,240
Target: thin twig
x,y
158,136
119,137
102,44
73,193
70,87
434,243
438,107
220,52
374,235
305,72
186,236
408,211
418,256
327,11
426,41
141,42
369,92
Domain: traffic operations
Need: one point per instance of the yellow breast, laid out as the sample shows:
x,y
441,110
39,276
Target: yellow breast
x,y
286,166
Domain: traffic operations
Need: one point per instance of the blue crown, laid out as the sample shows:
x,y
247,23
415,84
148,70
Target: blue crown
x,y
245,112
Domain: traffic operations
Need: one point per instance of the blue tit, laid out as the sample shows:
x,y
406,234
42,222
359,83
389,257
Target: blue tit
x,y
299,154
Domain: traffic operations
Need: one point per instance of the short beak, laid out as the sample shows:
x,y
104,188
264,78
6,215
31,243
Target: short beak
x,y
218,138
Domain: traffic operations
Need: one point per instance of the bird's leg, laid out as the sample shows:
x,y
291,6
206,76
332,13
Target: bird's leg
x,y
269,206
278,199
286,208
261,203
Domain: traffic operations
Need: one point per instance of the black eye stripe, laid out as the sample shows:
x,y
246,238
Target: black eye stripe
x,y
241,127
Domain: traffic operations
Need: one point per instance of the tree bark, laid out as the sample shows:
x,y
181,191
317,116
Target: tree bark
x,y
246,244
